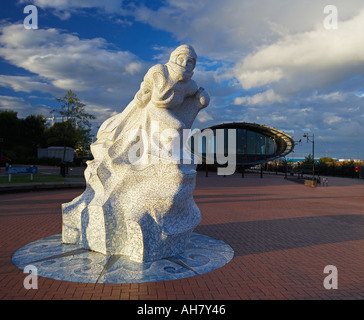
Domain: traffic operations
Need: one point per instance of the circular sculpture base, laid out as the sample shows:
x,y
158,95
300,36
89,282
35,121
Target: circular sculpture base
x,y
56,260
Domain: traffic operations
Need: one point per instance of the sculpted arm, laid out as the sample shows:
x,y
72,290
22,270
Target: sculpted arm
x,y
144,94
159,93
198,93
203,97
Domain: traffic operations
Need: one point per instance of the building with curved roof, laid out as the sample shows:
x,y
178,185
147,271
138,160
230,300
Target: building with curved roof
x,y
255,143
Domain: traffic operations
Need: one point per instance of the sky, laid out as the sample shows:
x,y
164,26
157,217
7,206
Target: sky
x,y
287,64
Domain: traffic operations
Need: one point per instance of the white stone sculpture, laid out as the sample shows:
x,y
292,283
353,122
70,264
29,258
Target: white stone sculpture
x,y
138,199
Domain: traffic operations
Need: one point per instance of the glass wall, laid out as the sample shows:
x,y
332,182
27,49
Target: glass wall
x,y
247,142
251,142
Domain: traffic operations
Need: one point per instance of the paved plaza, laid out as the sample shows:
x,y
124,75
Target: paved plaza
x,y
283,235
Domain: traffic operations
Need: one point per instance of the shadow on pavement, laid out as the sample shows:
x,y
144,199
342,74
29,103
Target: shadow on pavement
x,y
272,235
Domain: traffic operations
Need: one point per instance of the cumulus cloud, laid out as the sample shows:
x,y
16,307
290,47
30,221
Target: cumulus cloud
x,y
268,43
267,97
330,118
204,116
295,74
322,56
329,97
265,62
25,83
22,107
61,61
64,58
231,29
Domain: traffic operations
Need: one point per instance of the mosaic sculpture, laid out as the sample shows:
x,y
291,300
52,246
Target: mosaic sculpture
x,y
138,200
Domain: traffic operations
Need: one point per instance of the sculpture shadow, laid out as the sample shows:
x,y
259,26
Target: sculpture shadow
x,y
254,237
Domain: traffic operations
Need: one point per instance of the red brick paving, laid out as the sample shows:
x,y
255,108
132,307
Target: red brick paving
x,y
283,235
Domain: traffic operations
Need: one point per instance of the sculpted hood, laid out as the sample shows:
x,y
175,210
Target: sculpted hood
x,y
188,51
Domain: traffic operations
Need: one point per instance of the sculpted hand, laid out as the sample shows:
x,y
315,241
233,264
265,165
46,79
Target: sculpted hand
x,y
203,96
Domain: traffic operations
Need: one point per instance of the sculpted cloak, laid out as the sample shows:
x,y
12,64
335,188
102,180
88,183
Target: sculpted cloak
x,y
138,202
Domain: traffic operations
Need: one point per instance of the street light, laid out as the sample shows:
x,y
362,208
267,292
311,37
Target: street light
x,y
305,135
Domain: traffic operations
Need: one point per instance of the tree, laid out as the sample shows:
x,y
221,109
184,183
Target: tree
x,y
76,118
308,160
326,160
9,131
21,137
33,127
74,110
84,139
55,135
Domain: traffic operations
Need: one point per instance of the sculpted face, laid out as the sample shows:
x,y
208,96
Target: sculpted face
x,y
186,62
183,61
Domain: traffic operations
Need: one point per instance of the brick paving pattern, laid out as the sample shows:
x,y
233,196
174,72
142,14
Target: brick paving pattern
x,y
283,235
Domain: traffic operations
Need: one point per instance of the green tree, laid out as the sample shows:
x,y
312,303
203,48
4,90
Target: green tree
x,y
21,137
34,127
9,132
326,160
76,130
61,133
73,109
308,160
84,139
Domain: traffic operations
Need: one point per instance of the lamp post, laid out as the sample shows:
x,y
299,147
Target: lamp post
x,y
313,153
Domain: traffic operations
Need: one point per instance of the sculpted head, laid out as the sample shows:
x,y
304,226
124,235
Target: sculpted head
x,y
183,61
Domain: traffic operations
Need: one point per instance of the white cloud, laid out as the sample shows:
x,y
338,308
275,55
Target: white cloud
x,y
231,29
24,83
62,61
65,58
320,58
333,96
283,44
22,107
265,62
331,119
204,116
267,97
257,78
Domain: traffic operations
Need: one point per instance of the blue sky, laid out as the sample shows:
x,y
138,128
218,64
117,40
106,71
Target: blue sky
x,y
268,62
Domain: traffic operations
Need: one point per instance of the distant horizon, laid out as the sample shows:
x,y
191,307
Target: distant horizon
x,y
296,67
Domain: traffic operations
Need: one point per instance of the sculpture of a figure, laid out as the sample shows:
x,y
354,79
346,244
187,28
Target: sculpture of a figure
x,y
142,209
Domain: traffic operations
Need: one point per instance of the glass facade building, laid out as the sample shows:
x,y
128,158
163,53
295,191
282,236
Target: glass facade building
x,y
254,143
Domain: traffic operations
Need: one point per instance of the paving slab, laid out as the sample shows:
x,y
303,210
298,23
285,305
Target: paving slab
x,y
283,235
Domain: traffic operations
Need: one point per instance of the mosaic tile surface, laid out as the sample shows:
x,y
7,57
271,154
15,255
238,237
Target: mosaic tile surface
x,y
56,260
138,199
